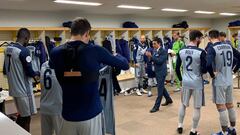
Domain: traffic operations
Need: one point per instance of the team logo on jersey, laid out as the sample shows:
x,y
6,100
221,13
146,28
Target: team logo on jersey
x,y
28,59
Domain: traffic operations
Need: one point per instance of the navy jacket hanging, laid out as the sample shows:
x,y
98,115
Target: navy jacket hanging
x,y
107,44
118,47
42,53
125,49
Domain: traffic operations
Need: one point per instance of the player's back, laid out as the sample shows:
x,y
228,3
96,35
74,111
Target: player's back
x,y
20,84
35,58
191,62
223,64
51,93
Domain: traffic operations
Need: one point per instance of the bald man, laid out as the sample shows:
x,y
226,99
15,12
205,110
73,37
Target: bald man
x,y
139,57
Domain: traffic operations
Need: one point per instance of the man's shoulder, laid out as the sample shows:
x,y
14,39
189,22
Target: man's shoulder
x,y
57,49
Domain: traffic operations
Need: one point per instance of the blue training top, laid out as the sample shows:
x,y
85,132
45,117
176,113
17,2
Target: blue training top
x,y
81,101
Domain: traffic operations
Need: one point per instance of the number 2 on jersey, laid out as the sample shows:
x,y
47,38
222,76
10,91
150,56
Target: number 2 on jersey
x,y
228,56
189,61
47,79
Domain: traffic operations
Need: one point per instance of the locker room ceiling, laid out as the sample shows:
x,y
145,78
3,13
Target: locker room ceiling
x,y
109,7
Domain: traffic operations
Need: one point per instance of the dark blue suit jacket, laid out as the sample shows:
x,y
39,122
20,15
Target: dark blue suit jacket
x,y
160,62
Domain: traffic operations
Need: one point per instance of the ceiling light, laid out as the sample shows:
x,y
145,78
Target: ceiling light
x,y
78,2
174,10
133,7
204,12
228,14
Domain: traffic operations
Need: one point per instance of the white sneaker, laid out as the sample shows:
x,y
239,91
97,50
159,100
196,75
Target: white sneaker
x,y
149,93
126,93
123,91
138,92
143,91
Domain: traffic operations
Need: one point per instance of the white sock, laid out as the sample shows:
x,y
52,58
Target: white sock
x,y
180,125
193,130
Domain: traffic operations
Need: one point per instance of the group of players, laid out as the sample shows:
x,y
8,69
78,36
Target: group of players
x,y
72,107
219,59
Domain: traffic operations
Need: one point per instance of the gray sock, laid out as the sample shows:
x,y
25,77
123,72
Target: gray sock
x,y
223,116
196,117
181,113
149,88
232,116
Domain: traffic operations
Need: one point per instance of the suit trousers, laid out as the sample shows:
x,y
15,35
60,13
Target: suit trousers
x,y
162,91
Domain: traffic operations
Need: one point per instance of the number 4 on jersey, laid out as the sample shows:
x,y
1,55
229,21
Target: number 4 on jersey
x,y
47,79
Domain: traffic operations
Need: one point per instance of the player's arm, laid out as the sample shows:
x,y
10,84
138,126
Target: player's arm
x,y
26,60
203,62
178,67
236,60
210,58
117,61
235,65
159,60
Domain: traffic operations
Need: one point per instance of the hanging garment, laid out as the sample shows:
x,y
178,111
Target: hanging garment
x,y
107,45
125,49
168,42
149,43
34,54
132,44
41,52
113,42
106,94
50,45
118,47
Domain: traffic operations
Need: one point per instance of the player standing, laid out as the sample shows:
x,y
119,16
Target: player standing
x,y
138,55
221,56
51,101
19,71
193,61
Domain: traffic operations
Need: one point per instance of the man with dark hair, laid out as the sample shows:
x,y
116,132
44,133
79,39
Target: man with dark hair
x,y
193,61
221,56
19,71
177,45
77,64
223,38
159,59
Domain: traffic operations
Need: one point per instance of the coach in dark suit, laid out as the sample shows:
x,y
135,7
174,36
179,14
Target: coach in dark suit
x,y
159,58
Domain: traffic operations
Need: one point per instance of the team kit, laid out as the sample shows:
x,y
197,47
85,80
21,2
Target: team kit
x,y
77,89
